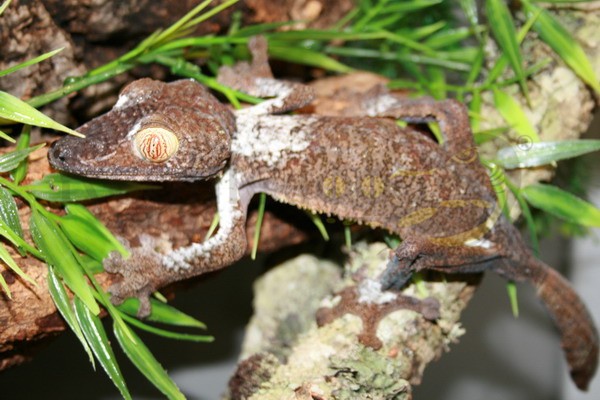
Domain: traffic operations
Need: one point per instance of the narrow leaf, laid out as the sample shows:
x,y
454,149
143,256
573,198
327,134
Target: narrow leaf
x,y
3,6
259,219
8,260
86,237
10,161
98,340
511,288
561,41
161,313
14,109
307,57
319,224
65,188
501,24
79,211
213,226
543,153
513,114
19,173
165,333
9,213
16,240
57,252
562,204
6,137
30,62
143,359
63,304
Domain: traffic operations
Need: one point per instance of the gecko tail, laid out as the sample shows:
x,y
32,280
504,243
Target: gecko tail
x,y
579,337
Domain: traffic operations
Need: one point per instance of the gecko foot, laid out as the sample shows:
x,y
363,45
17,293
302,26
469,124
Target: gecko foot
x,y
371,305
138,275
400,267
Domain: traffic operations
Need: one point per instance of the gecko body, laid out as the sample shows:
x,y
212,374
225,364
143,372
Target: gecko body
x,y
438,198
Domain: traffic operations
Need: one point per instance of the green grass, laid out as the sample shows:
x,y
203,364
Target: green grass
x,y
418,44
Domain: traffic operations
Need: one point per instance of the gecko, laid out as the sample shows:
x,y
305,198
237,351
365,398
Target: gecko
x,y
437,197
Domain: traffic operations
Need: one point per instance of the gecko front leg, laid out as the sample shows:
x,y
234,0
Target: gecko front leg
x,y
148,269
256,79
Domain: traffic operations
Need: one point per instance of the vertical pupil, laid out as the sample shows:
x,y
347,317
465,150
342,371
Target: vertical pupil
x,y
154,147
155,144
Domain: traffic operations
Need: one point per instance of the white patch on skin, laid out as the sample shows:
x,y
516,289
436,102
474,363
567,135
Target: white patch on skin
x,y
369,291
134,130
268,138
269,87
483,243
381,104
123,101
228,199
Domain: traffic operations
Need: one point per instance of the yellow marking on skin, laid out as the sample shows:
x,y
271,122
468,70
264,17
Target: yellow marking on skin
x,y
378,186
372,187
155,144
466,156
340,187
476,233
465,203
416,217
366,186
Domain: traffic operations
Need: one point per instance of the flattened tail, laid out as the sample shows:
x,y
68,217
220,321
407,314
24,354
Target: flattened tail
x,y
579,337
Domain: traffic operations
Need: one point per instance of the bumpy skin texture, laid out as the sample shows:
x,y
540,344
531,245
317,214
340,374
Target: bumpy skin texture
x,y
364,168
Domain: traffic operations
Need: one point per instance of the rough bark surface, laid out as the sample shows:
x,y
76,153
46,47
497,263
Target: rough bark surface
x,y
287,355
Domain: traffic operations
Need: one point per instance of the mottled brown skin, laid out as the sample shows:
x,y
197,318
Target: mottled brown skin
x,y
438,198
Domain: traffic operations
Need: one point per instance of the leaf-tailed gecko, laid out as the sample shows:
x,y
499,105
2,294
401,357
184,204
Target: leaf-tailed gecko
x,y
437,198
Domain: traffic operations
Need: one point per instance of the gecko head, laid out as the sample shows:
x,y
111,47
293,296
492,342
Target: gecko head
x,y
156,131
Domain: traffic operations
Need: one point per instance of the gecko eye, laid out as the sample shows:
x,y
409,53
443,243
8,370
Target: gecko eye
x,y
155,144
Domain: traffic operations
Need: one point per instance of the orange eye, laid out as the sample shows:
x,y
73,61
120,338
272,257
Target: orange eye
x,y
156,144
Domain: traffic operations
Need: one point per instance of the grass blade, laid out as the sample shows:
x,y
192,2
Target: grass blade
x,y
63,304
79,211
10,161
98,341
161,313
543,153
8,260
319,224
307,57
58,253
86,237
563,44
14,109
511,288
259,219
6,137
3,6
513,114
165,333
145,362
30,62
64,188
9,212
18,174
562,204
503,29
